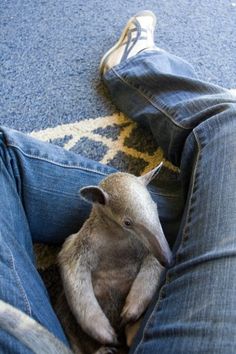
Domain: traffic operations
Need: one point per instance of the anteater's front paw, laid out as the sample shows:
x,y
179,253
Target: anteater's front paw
x,y
100,329
131,312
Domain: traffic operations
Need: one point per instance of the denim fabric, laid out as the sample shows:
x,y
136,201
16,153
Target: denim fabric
x,y
195,124
39,198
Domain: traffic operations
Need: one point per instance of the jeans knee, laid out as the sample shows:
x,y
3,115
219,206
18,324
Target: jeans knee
x,y
219,128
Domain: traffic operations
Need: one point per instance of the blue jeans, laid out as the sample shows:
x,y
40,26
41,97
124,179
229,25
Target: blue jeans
x,y
195,124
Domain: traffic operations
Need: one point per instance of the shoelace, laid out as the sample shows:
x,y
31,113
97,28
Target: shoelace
x,y
130,43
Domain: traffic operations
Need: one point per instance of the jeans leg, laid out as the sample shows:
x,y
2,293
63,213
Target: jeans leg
x,y
162,92
48,179
20,283
195,123
39,198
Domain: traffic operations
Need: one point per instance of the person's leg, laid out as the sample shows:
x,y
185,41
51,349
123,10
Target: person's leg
x,y
195,124
39,198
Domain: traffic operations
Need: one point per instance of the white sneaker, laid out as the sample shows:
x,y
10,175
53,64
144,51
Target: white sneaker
x,y
137,35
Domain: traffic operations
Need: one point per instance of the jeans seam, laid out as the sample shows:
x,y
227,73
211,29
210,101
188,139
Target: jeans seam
x,y
198,141
18,281
167,278
184,235
161,109
56,163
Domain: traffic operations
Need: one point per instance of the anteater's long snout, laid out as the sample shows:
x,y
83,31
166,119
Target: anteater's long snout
x,y
154,238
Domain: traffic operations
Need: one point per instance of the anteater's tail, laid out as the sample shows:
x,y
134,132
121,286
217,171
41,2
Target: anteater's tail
x,y
28,331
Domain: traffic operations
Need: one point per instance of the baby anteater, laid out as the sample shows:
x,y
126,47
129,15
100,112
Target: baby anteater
x,y
111,268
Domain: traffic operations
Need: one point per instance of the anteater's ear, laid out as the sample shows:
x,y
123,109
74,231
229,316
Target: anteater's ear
x,y
146,179
94,194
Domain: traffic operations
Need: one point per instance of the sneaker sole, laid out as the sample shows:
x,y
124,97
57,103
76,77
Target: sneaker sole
x,y
123,34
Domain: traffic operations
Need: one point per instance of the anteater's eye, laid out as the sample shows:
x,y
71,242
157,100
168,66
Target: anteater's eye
x,y
127,222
